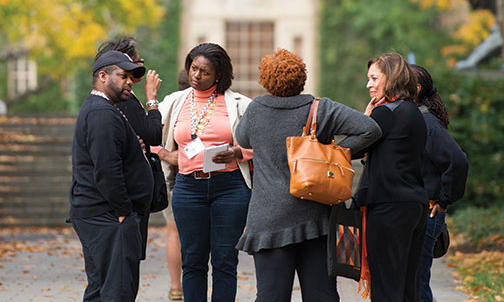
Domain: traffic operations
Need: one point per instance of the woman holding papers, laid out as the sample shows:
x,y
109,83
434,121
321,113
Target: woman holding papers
x,y
211,191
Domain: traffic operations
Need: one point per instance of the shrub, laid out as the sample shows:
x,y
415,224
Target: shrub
x,y
478,224
476,105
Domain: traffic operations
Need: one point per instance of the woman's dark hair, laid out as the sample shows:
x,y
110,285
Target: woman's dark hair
x,y
428,95
219,60
183,80
125,45
282,73
400,80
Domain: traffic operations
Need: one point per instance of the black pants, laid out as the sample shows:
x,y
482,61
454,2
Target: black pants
x,y
112,252
395,233
144,231
275,270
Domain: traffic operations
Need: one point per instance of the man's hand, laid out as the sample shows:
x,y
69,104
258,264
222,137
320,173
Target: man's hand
x,y
152,83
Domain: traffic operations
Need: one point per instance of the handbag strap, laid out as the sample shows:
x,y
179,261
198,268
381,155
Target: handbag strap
x,y
312,118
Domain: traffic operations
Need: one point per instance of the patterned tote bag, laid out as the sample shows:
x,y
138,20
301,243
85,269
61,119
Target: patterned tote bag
x,y
345,242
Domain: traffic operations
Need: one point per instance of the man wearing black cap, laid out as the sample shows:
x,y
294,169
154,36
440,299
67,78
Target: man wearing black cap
x,y
147,126
111,183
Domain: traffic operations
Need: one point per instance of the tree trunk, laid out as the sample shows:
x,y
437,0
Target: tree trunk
x,y
500,20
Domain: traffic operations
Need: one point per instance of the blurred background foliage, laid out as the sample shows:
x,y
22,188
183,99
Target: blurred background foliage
x,y
157,46
59,34
62,37
352,32
476,104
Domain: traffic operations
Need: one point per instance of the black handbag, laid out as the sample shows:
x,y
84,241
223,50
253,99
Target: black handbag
x,y
160,194
442,243
344,245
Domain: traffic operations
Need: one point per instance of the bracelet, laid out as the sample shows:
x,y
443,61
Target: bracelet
x,y
151,103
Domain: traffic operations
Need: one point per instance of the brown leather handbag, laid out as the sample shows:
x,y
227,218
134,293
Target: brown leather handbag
x,y
319,172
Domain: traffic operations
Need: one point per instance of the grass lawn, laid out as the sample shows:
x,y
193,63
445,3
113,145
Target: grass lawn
x,y
477,252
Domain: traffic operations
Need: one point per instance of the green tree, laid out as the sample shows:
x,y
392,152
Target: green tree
x,y
158,46
476,104
61,34
354,31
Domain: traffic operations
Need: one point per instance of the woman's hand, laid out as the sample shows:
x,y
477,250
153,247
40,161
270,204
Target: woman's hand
x,y
152,83
227,156
373,103
142,144
436,208
365,158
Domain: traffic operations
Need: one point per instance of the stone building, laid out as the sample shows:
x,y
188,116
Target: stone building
x,y
250,29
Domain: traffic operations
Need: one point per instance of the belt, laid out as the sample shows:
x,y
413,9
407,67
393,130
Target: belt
x,y
202,175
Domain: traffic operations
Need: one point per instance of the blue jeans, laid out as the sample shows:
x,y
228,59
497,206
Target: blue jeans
x,y
435,226
210,215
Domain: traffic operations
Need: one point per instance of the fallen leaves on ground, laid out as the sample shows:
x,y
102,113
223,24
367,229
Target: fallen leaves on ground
x,y
481,272
247,287
61,242
59,246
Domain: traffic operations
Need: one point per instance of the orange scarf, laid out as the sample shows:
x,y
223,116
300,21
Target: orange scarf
x,y
387,101
365,278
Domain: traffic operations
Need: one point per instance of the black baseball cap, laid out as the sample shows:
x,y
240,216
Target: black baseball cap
x,y
114,57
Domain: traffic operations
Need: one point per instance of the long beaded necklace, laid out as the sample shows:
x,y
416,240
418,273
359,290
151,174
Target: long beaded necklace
x,y
199,123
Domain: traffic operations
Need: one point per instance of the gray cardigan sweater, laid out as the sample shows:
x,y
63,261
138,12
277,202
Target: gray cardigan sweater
x,y
275,217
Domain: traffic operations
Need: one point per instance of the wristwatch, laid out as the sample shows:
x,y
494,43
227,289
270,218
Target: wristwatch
x,y
151,103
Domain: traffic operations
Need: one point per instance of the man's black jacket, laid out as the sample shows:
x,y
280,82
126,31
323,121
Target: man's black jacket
x,y
109,169
147,126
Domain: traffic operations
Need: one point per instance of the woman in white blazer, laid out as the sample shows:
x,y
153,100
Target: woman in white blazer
x,y
210,208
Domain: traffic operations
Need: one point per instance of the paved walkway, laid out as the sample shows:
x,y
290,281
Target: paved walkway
x,y
48,266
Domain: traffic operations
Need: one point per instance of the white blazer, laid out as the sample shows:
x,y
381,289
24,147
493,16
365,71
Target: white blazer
x,y
170,108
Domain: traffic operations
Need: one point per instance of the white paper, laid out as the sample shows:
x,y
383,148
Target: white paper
x,y
208,164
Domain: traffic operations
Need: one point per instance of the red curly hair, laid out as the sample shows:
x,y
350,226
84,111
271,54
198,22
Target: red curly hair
x,y
282,73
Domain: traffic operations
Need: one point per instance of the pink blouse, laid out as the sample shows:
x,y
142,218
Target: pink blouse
x,y
217,132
